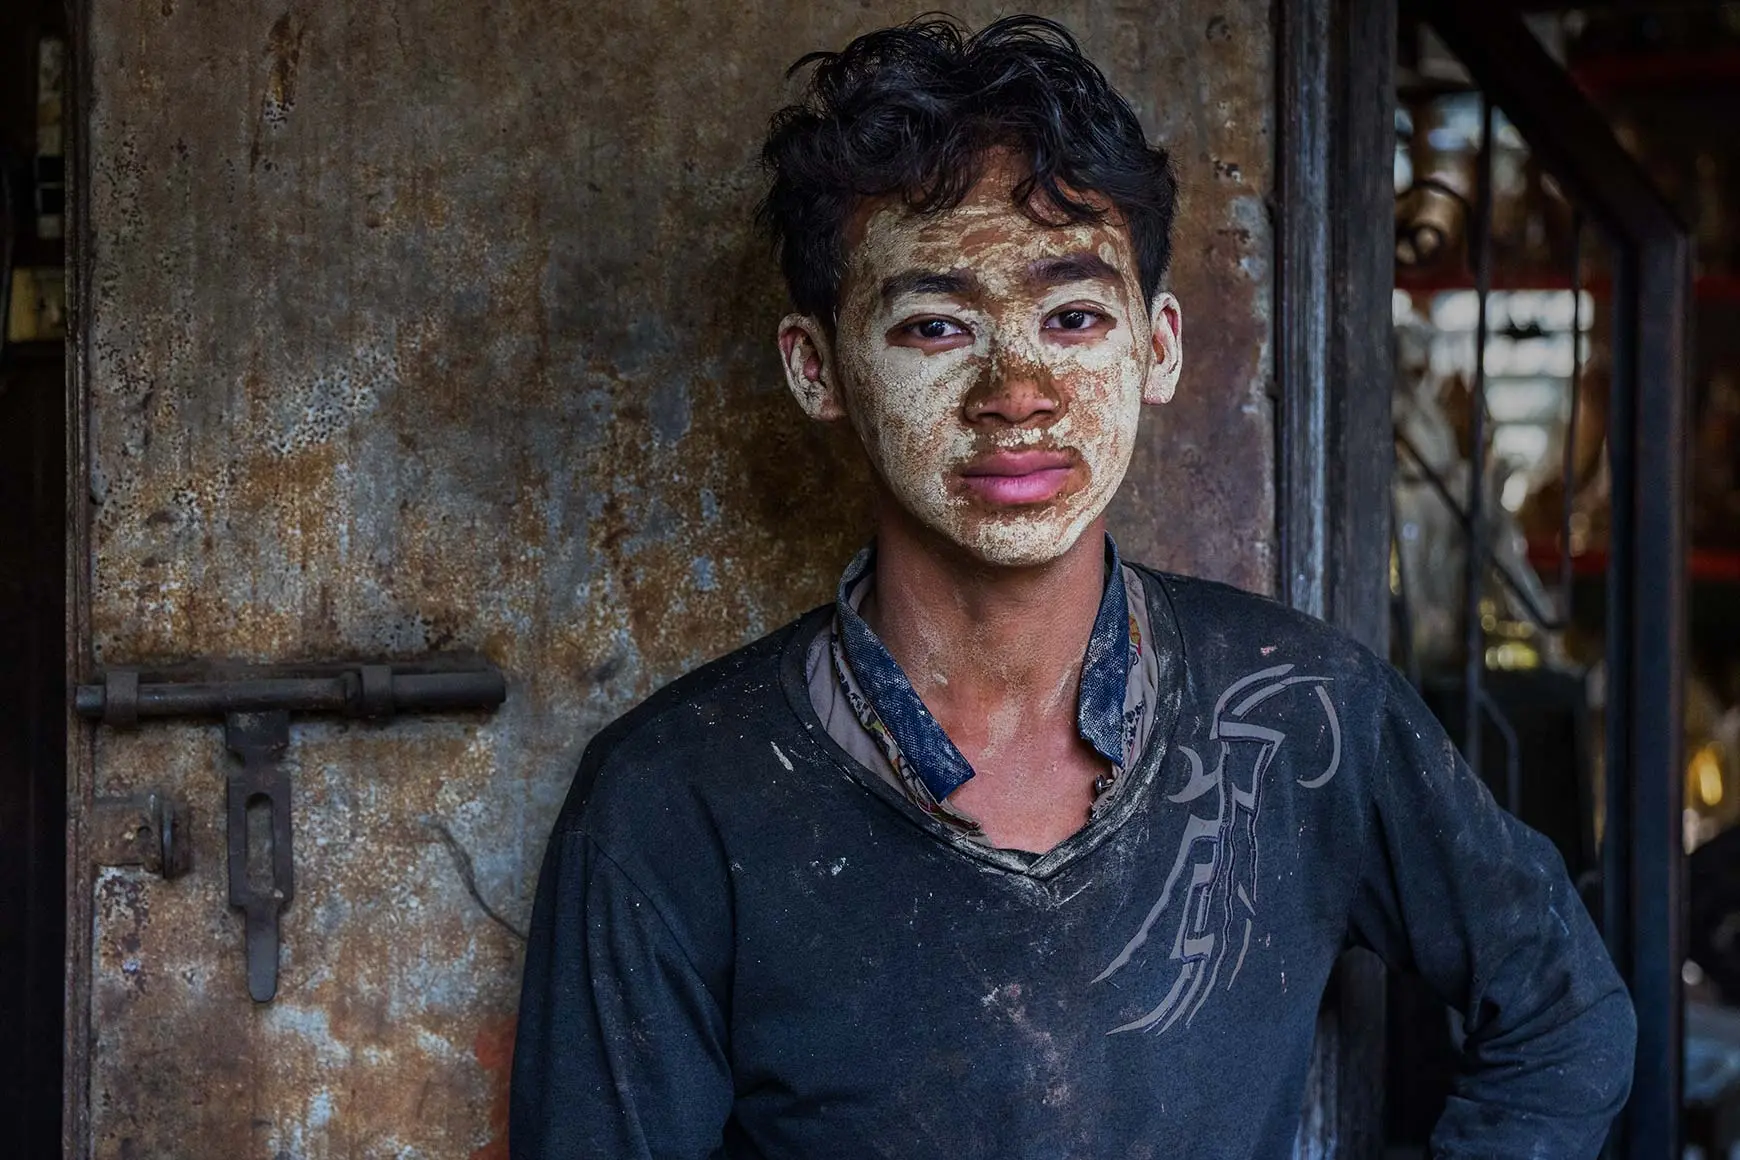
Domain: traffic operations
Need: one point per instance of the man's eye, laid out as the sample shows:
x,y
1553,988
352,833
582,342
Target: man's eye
x,y
934,328
1073,320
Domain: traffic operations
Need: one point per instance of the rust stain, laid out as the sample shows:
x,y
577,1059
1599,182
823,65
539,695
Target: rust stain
x,y
494,1050
284,51
475,351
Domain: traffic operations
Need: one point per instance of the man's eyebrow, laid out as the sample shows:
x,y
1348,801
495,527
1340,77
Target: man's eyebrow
x,y
956,282
1082,267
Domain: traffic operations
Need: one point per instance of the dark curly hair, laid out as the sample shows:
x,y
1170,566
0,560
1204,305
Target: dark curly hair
x,y
912,111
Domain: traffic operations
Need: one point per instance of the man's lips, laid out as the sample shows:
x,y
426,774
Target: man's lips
x,y
1013,478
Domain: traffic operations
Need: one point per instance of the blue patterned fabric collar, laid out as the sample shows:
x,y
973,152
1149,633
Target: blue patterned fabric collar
x,y
924,745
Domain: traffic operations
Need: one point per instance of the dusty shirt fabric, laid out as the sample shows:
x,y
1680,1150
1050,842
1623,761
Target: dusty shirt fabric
x,y
1115,709
746,944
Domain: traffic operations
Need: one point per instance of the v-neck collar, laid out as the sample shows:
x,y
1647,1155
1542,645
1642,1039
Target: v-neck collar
x,y
924,746
1168,644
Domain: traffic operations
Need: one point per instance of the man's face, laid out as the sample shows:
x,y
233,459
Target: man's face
x,y
993,367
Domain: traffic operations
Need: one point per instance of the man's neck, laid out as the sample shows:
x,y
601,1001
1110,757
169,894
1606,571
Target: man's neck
x,y
982,642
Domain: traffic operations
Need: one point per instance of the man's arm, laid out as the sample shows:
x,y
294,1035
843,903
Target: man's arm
x,y
1480,906
621,1050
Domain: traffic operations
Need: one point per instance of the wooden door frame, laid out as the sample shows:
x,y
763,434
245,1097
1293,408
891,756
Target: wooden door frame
x,y
80,663
1335,140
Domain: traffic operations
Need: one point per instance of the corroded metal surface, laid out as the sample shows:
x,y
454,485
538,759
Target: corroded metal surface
x,y
418,326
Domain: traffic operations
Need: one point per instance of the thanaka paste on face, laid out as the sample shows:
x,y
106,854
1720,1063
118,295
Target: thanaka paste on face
x,y
917,411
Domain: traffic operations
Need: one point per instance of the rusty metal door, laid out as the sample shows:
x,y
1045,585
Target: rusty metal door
x,y
411,327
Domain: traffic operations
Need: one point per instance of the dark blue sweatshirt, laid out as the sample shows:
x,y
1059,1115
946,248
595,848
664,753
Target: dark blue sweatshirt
x,y
747,945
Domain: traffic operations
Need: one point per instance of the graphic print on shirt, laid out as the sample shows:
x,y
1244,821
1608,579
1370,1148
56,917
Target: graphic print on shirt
x,y
1217,857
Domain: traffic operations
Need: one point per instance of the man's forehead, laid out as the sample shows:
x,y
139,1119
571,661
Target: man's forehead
x,y
979,231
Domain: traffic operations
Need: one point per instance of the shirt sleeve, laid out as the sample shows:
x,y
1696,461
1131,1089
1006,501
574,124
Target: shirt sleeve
x,y
1480,906
621,1049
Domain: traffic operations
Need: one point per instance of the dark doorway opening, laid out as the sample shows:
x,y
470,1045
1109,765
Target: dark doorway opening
x,y
33,66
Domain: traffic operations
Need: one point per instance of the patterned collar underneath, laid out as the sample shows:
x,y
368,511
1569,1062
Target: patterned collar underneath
x,y
1114,709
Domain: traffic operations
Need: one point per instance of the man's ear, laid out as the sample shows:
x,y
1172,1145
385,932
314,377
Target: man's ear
x,y
1167,327
809,368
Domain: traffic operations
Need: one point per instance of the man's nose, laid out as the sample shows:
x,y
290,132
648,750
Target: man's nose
x,y
1015,392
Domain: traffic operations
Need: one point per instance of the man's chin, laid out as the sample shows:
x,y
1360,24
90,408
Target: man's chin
x,y
1020,540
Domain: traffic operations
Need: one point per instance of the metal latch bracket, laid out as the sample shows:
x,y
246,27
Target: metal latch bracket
x,y
255,703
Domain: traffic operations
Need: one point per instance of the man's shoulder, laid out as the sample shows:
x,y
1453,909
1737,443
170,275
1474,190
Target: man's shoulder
x,y
746,680
1224,626
694,729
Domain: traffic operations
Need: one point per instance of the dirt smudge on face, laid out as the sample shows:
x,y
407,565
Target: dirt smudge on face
x,y
1012,379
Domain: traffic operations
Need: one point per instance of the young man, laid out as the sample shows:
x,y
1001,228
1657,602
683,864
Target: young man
x,y
1018,849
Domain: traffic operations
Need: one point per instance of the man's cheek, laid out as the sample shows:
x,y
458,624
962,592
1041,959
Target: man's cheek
x,y
1124,412
915,443
895,437
1106,409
